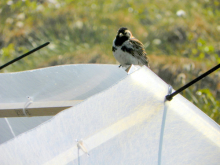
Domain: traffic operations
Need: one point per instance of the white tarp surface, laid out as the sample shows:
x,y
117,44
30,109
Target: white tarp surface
x,y
59,83
64,82
121,125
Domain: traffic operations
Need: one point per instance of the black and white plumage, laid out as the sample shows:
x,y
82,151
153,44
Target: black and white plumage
x,y
128,50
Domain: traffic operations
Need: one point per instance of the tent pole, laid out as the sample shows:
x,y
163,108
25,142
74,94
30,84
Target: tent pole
x,y
170,96
24,55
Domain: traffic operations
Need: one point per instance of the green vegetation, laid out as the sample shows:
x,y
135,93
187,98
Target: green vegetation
x,y
179,47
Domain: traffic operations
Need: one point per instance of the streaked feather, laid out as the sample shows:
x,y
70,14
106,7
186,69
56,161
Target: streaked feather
x,y
139,51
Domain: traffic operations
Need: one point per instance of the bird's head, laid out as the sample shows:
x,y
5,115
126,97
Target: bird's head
x,y
124,33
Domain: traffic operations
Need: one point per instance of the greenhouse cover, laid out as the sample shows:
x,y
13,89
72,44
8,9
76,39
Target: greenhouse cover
x,y
123,119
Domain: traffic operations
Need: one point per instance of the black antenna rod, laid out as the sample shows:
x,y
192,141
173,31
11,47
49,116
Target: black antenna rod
x,y
24,55
169,97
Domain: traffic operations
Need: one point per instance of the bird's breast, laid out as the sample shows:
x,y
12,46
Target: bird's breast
x,y
124,58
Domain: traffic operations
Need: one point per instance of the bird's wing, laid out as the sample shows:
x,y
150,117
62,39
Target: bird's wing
x,y
138,51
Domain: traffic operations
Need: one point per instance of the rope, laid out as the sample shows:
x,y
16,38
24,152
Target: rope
x,y
9,125
26,105
163,127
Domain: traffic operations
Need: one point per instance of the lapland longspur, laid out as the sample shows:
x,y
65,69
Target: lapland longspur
x,y
128,50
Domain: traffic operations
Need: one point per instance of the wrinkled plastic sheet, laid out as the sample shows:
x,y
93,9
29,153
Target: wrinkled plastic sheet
x,y
122,125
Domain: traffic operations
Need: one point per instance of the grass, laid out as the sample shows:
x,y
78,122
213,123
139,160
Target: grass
x,y
179,47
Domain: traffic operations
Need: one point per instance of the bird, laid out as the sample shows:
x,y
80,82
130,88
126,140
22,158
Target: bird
x,y
128,50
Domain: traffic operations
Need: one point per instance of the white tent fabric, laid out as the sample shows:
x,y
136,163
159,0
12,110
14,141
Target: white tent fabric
x,y
121,125
59,83
64,82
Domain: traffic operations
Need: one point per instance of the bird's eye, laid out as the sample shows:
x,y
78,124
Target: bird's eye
x,y
120,34
128,33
